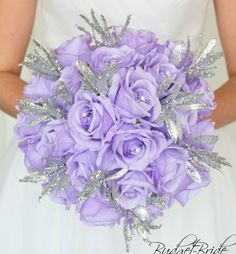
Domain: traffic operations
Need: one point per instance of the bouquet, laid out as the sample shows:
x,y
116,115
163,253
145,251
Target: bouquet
x,y
117,123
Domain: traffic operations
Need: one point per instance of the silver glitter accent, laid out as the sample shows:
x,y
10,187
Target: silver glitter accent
x,y
211,159
196,106
143,227
53,177
205,139
127,236
192,172
46,111
97,83
138,220
118,174
63,91
204,59
178,100
166,83
180,52
158,201
43,61
97,179
106,33
173,126
203,158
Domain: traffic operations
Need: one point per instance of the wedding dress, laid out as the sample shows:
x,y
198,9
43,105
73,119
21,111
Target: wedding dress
x,y
30,227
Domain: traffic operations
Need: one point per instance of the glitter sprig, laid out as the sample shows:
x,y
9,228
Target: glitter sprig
x,y
97,83
106,33
43,61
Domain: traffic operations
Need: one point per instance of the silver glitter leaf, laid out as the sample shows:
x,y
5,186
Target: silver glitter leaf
x,y
180,52
95,180
99,178
166,83
196,106
117,175
127,236
206,51
97,83
158,201
52,177
105,33
188,98
46,111
204,158
63,91
205,139
43,61
174,127
192,172
202,65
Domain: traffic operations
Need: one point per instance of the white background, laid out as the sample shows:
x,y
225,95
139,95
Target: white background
x,y
210,31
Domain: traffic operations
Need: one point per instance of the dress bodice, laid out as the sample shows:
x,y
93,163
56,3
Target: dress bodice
x,y
169,19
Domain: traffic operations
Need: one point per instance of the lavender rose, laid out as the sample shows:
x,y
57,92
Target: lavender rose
x,y
76,48
141,40
71,77
169,170
135,94
39,86
32,159
56,140
170,175
98,212
124,55
89,118
79,166
22,129
134,189
132,146
68,197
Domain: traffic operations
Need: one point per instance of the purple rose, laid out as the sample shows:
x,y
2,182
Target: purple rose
x,y
192,188
79,166
76,48
132,146
68,197
170,175
71,76
169,170
98,212
32,159
188,119
135,95
22,129
89,118
56,140
134,189
39,87
141,40
124,55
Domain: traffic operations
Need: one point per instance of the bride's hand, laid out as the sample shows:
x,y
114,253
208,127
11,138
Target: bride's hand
x,y
225,112
16,22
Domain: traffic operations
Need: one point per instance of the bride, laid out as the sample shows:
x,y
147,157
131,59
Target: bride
x,y
29,227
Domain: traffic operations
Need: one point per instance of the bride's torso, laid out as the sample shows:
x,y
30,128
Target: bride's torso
x,y
56,20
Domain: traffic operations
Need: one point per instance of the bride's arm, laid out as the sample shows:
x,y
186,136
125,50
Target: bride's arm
x,y
226,95
16,22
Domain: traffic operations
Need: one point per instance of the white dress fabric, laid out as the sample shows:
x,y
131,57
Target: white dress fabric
x,y
30,227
